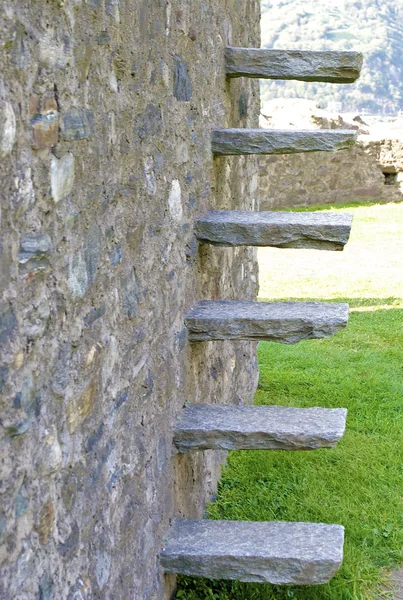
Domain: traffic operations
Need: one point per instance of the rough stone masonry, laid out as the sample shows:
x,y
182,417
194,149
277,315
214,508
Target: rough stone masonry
x,y
106,112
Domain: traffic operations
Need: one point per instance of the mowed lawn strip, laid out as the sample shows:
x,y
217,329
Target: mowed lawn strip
x,y
358,484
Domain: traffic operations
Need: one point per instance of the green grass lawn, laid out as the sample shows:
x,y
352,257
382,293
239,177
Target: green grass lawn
x,y
358,484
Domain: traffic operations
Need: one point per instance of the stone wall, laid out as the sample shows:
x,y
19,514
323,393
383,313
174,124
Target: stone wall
x,y
106,108
355,175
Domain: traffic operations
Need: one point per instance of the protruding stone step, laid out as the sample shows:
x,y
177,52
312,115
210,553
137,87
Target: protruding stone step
x,y
225,427
280,141
284,322
301,65
279,553
320,231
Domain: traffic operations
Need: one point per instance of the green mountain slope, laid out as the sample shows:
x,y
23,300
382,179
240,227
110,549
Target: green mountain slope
x,y
374,27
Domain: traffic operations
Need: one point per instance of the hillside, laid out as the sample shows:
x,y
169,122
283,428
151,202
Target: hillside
x,y
374,27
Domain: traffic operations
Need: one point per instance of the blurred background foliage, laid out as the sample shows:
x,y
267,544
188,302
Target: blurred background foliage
x,y
374,27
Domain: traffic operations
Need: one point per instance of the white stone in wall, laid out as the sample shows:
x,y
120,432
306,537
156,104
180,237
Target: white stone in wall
x,y
175,201
149,175
7,128
54,53
78,277
61,176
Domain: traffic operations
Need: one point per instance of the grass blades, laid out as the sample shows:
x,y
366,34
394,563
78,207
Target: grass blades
x,y
358,484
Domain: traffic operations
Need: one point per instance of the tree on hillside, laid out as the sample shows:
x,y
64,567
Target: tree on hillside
x,y
374,27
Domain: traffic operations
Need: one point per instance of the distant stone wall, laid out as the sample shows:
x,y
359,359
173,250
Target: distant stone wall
x,y
372,170
106,108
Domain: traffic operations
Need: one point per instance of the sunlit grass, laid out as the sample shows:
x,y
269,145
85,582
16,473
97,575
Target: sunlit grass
x,y
358,484
370,266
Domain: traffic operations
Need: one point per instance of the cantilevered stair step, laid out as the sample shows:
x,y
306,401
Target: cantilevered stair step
x,y
280,141
279,553
320,231
284,322
301,65
226,427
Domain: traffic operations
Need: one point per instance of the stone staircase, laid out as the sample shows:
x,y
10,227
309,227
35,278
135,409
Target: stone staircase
x,y
281,230
282,553
284,322
301,65
227,427
279,553
227,142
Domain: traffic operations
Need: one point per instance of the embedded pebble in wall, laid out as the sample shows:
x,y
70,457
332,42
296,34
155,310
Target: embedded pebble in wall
x,y
7,128
80,408
34,251
81,589
21,503
148,122
46,585
36,318
94,315
78,124
69,547
103,38
112,8
44,117
46,523
175,201
130,294
49,458
84,264
103,563
54,50
3,376
116,256
18,359
24,195
61,176
165,75
78,277
92,252
82,60
149,175
182,85
20,54
8,323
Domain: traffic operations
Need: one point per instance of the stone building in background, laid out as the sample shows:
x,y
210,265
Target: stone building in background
x,y
106,108
372,170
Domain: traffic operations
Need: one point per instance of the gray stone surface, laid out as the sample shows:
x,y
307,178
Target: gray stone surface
x,y
279,141
321,231
226,427
284,322
34,252
330,66
280,553
78,124
182,84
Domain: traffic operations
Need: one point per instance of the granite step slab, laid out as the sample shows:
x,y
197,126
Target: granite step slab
x,y
299,65
280,141
319,231
278,552
226,427
283,322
